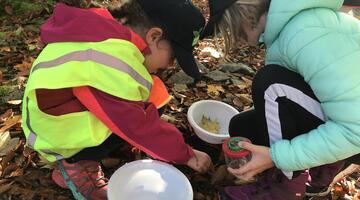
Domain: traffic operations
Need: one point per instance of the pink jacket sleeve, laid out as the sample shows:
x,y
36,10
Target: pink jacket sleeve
x,y
138,123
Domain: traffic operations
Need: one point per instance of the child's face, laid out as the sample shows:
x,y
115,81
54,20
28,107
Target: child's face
x,y
161,55
253,33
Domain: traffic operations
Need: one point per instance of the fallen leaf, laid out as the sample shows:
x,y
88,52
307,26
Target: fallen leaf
x,y
9,113
5,188
215,89
110,162
16,173
10,123
45,164
180,87
20,160
27,151
238,102
247,81
9,169
4,138
24,67
5,49
8,10
5,161
201,84
245,98
7,143
169,118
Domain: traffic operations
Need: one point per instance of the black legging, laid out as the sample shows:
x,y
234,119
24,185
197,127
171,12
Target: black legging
x,y
289,91
291,124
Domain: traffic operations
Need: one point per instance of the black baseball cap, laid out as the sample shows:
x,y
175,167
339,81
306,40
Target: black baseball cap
x,y
182,23
217,8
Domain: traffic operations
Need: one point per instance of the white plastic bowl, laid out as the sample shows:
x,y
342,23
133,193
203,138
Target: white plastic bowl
x,y
149,180
215,110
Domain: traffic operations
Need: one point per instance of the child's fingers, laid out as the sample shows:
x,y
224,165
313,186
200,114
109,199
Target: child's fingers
x,y
233,171
248,146
242,170
248,176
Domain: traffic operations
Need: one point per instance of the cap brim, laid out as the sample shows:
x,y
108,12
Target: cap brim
x,y
186,60
217,9
210,26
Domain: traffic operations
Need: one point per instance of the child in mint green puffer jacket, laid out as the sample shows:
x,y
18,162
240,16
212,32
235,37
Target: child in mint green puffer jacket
x,y
306,99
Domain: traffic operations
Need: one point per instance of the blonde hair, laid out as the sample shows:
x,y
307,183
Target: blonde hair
x,y
242,12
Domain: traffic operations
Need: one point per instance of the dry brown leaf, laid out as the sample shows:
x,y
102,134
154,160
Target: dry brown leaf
x,y
45,164
169,118
5,49
7,143
27,151
10,123
5,188
201,84
238,102
180,87
110,162
8,10
215,89
245,98
229,95
18,172
25,67
9,113
9,169
248,82
242,87
201,95
7,158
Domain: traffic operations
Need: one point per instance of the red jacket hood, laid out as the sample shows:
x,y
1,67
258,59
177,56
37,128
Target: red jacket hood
x,y
69,24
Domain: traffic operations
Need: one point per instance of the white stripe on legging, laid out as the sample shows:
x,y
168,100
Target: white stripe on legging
x,y
272,109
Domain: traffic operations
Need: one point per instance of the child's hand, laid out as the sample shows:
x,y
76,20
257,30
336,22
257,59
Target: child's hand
x,y
200,162
259,162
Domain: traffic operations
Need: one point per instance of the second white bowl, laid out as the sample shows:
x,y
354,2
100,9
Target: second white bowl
x,y
216,111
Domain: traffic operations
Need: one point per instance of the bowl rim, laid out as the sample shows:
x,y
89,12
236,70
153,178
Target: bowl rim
x,y
156,162
193,123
